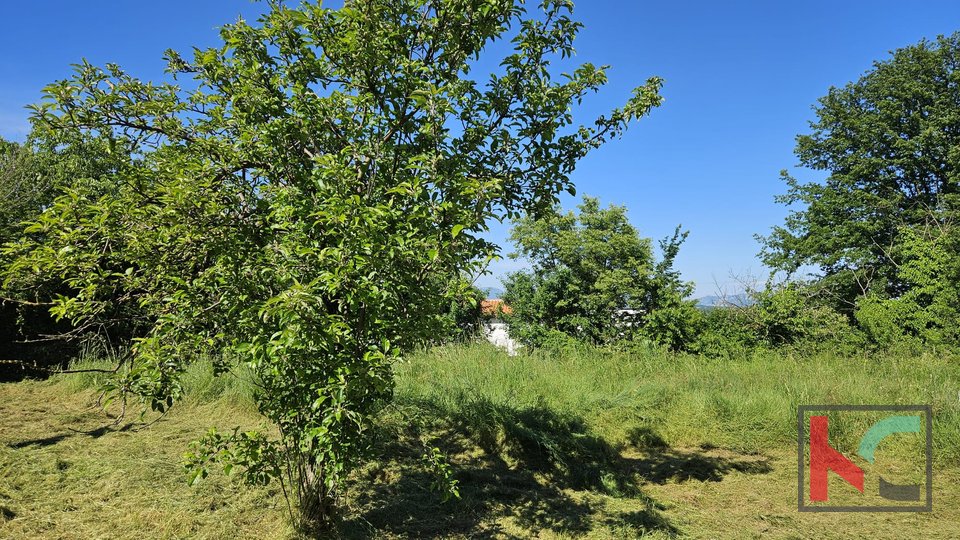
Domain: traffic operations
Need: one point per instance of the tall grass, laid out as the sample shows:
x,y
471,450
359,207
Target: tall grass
x,y
638,398
199,383
748,404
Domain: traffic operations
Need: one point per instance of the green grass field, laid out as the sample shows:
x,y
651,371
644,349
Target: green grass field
x,y
584,444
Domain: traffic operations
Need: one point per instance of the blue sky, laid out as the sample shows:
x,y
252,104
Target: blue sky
x,y
741,78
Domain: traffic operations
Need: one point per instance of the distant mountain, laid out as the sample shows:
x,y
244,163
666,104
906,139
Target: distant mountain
x,y
712,301
492,292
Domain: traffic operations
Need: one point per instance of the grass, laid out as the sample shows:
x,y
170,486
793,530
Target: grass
x,y
584,444
746,405
67,472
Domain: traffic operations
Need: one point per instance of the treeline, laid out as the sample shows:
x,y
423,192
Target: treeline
x,y
596,281
868,258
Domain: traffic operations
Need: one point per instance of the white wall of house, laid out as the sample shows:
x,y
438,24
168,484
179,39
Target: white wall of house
x,y
498,333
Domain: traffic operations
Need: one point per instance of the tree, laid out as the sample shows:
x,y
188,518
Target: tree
x,y
292,198
34,172
20,199
929,309
593,278
670,318
23,193
889,142
31,176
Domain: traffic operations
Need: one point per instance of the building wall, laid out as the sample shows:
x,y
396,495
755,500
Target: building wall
x,y
498,333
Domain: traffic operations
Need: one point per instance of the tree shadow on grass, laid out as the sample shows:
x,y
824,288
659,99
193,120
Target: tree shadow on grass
x,y
54,439
521,471
671,465
657,463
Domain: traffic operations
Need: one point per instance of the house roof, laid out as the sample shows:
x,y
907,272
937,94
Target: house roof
x,y
495,307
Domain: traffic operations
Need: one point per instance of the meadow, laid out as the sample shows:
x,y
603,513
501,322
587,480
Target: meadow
x,y
580,443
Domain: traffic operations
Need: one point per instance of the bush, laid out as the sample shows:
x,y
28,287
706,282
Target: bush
x,y
928,311
789,315
726,332
675,327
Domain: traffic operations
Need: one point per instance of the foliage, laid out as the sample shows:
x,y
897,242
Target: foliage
x,y
671,320
291,201
889,144
929,309
793,313
444,481
726,332
32,174
790,315
22,195
594,279
464,318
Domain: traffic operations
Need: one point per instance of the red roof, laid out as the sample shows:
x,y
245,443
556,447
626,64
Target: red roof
x,y
494,308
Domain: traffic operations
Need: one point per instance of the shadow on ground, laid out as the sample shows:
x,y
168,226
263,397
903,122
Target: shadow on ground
x,y
54,439
649,456
522,472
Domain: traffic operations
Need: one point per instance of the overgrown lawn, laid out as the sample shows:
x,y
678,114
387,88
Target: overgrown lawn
x,y
576,444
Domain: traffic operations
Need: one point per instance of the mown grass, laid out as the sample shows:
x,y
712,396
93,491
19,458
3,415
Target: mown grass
x,y
582,444
67,471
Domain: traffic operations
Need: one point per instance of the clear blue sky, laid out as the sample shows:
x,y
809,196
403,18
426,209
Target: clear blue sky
x,y
741,78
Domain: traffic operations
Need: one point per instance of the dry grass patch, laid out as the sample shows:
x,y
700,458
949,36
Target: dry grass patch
x,y
67,472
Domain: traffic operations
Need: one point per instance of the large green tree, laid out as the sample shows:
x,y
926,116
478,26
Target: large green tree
x,y
18,191
293,199
32,174
594,278
890,144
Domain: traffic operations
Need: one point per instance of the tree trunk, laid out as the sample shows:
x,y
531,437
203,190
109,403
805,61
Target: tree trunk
x,y
316,504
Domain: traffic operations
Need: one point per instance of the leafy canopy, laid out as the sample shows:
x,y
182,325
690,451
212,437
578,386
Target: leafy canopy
x,y
890,144
593,278
292,198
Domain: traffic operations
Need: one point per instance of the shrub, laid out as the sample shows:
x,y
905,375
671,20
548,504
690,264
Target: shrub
x,y
726,332
928,309
789,315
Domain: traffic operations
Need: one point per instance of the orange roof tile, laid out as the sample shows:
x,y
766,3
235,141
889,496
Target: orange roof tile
x,y
494,307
